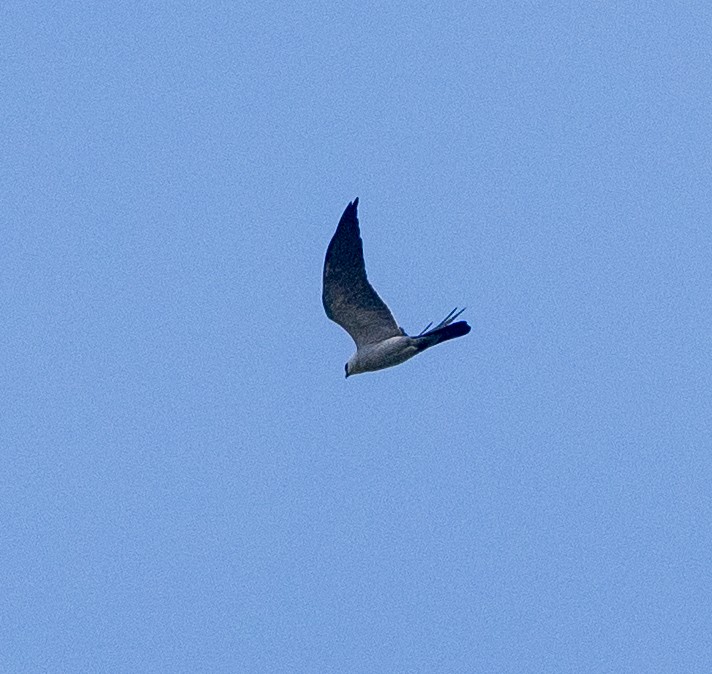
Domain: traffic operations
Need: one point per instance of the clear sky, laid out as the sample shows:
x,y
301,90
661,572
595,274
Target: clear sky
x,y
188,481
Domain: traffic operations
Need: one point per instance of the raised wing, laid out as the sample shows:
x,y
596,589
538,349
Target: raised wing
x,y
348,297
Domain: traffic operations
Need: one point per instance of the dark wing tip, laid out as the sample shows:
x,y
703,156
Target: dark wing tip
x,y
350,214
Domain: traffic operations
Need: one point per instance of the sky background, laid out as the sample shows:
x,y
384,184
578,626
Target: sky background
x,y
188,481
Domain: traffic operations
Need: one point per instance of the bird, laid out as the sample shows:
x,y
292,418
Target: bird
x,y
351,302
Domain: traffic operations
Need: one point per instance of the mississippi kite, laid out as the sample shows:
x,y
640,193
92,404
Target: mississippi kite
x,y
350,300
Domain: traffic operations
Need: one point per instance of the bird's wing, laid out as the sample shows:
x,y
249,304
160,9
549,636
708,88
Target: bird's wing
x,y
348,297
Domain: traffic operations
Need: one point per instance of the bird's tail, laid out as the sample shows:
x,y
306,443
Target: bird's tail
x,y
445,330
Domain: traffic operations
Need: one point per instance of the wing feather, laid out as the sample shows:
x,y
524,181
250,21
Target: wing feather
x,y
348,297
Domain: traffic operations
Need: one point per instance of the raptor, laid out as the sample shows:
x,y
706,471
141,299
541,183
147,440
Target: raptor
x,y
350,300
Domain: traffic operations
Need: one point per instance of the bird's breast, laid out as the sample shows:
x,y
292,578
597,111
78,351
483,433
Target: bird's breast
x,y
387,353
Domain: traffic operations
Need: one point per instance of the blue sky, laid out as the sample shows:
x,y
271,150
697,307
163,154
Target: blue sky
x,y
190,484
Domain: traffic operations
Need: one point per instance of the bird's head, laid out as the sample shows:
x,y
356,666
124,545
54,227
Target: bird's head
x,y
353,366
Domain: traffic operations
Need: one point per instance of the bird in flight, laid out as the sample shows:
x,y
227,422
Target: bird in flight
x,y
350,300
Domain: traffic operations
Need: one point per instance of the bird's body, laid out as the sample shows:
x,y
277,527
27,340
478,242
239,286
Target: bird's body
x,y
350,300
389,352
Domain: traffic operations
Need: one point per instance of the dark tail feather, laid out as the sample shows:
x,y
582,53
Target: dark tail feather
x,y
442,335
